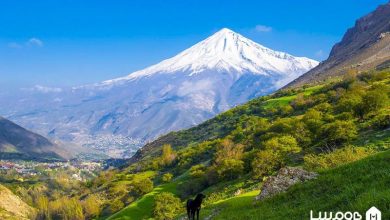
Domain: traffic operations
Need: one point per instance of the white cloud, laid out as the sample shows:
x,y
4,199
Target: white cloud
x,y
34,42
262,28
45,89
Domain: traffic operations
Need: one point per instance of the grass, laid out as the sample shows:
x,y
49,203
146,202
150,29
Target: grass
x,y
285,100
142,208
352,187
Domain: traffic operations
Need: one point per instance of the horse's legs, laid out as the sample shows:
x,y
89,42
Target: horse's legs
x,y
189,213
193,214
197,213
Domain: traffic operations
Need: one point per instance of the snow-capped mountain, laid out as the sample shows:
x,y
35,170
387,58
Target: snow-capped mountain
x,y
227,51
212,76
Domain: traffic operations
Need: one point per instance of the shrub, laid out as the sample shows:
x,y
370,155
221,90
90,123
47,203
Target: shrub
x,y
265,163
167,155
283,145
142,186
335,158
338,132
66,208
167,177
381,120
116,205
166,206
92,206
374,100
229,169
198,171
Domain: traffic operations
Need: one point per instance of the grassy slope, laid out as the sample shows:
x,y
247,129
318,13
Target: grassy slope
x,y
142,208
353,187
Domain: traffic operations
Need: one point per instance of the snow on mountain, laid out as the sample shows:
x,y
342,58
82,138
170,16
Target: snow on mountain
x,y
212,76
227,51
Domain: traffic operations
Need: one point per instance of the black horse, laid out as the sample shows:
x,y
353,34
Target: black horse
x,y
193,205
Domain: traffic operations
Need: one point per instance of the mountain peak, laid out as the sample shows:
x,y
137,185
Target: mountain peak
x,y
226,51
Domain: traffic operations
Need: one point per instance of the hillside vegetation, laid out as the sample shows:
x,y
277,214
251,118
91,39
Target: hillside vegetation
x,y
357,186
319,128
322,128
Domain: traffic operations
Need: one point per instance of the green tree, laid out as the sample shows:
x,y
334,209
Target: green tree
x,y
282,145
92,206
338,132
167,177
230,169
168,155
142,186
198,171
166,206
374,100
265,162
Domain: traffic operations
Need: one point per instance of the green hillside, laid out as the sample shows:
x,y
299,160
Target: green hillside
x,y
354,187
320,128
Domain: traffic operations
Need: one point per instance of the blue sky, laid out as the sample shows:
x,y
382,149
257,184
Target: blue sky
x,y
64,42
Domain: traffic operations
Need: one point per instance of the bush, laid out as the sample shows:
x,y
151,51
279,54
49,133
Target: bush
x,y
229,169
335,158
265,163
167,155
374,100
142,186
92,206
116,205
283,145
167,177
198,171
66,208
338,132
381,120
166,206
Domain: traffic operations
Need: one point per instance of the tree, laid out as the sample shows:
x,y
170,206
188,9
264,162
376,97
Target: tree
x,y
166,206
167,155
67,209
265,163
228,149
230,169
42,203
374,100
92,206
142,186
282,145
167,177
338,132
198,171
228,163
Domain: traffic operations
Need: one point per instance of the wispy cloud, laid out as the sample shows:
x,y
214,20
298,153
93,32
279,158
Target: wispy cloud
x,y
32,42
262,28
43,89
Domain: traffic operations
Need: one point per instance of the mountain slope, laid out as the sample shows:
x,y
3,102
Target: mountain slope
x,y
327,193
12,207
18,143
364,46
117,116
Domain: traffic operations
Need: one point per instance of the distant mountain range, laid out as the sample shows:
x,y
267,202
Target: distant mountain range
x,y
365,46
17,142
117,116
